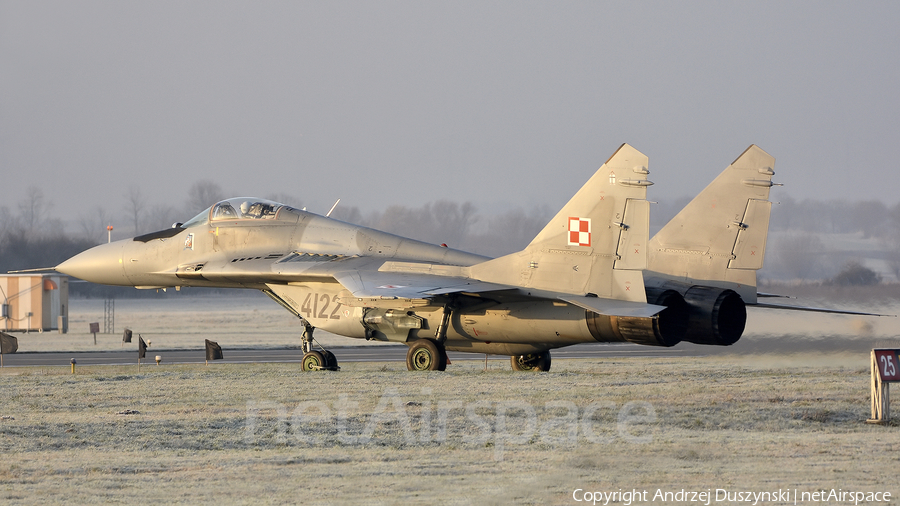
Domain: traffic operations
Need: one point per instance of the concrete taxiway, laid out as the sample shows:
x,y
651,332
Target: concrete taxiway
x,y
375,353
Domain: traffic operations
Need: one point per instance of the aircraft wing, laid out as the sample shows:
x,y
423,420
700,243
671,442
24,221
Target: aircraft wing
x,y
365,284
377,287
405,284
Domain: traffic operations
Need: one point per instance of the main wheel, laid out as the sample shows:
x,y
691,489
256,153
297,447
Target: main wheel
x,y
313,361
532,362
426,355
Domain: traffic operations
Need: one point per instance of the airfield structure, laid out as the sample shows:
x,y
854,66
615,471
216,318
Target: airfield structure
x,y
885,370
34,302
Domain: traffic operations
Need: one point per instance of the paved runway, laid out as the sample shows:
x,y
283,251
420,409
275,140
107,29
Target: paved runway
x,y
374,353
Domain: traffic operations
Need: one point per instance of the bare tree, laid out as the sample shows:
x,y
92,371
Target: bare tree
x,y
508,232
163,216
401,220
203,194
93,225
453,220
33,209
134,205
348,214
7,224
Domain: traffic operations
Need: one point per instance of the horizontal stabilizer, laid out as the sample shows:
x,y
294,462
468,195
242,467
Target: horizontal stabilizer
x,y
816,310
613,307
762,295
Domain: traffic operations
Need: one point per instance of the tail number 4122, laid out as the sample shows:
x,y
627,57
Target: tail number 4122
x,y
322,306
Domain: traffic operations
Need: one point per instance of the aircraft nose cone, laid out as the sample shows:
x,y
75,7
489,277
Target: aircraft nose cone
x,y
100,264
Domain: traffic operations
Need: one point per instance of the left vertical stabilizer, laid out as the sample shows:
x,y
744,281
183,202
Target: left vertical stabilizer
x,y
596,244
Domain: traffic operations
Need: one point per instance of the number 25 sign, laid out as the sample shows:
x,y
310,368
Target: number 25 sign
x,y
888,365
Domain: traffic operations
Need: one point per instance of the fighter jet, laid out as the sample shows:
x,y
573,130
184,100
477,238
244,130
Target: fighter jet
x,y
580,280
584,278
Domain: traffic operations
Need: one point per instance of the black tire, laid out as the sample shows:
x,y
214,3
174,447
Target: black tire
x,y
312,361
442,366
330,360
425,355
536,362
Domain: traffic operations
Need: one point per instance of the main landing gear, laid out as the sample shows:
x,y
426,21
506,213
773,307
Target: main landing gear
x,y
426,355
538,362
314,360
429,354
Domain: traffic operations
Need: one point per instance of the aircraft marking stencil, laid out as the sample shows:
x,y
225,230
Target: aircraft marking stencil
x,y
592,274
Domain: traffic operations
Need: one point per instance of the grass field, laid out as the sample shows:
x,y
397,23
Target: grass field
x,y
378,434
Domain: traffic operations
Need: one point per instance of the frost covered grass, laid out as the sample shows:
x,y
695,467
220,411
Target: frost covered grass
x,y
378,434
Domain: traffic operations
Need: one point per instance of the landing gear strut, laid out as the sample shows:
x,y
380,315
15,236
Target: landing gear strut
x,y
315,360
531,362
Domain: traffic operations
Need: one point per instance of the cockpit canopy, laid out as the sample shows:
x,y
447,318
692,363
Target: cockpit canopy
x,y
239,208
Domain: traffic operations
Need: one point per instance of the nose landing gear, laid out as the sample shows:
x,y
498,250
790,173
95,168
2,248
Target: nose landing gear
x,y
315,360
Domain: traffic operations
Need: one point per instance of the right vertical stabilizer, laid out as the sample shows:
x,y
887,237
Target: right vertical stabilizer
x,y
719,238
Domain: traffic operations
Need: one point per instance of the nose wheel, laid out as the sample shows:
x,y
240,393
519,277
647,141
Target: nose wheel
x,y
316,360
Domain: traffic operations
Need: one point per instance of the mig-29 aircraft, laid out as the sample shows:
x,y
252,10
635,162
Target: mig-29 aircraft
x,y
584,278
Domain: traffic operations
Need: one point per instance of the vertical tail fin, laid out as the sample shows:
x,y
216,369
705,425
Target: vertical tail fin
x,y
596,244
719,238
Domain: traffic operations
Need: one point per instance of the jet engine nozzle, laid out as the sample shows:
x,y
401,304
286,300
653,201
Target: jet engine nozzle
x,y
717,316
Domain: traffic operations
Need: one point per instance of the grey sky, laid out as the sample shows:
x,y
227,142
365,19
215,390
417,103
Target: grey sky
x,y
497,103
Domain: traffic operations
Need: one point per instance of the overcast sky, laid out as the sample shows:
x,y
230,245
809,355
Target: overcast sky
x,y
497,103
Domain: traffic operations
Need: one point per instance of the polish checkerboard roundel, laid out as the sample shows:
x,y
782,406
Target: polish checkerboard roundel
x,y
579,231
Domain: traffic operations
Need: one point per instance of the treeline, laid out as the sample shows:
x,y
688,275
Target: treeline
x,y
820,240
799,246
459,226
871,217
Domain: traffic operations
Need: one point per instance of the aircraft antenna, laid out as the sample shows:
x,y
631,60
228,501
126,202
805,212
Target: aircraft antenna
x,y
41,269
332,208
